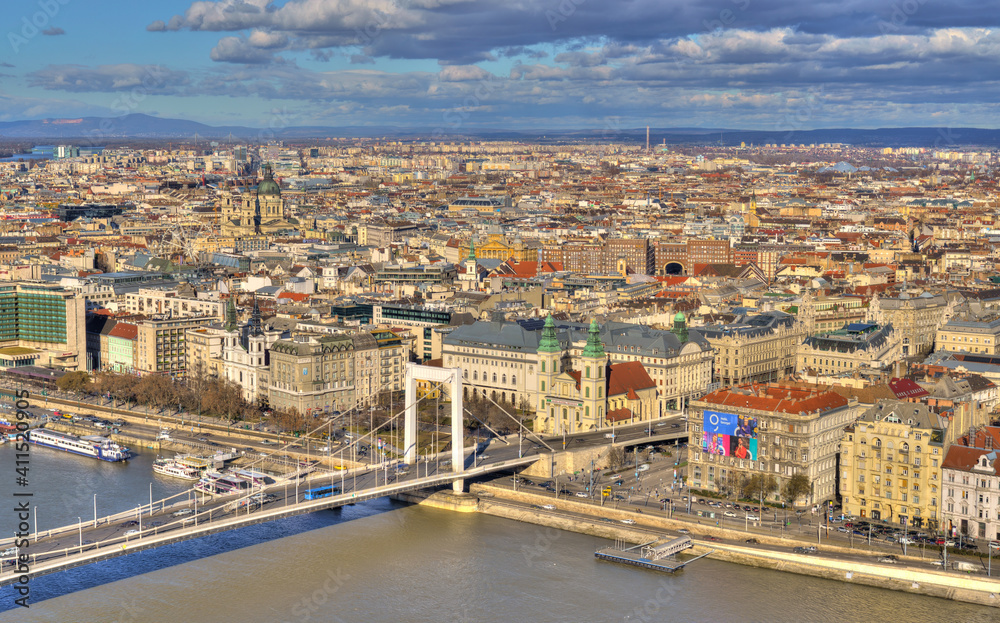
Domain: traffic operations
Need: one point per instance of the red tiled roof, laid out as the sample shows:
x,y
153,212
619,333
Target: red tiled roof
x,y
576,375
625,377
294,296
124,330
906,388
963,458
619,414
778,398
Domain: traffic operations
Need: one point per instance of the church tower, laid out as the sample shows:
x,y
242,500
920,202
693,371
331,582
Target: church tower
x,y
256,340
471,265
593,381
549,352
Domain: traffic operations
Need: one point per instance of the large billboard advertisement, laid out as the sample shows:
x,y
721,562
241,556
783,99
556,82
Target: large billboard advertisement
x,y
728,434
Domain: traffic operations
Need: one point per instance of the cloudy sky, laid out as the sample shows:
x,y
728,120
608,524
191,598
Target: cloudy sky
x,y
532,64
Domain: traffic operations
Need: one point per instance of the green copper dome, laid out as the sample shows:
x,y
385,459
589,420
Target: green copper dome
x,y
549,341
594,348
268,186
680,317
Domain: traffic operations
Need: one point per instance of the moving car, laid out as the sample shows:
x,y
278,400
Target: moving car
x,y
630,522
549,507
729,514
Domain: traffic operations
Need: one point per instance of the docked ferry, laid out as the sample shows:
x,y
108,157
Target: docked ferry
x,y
91,445
176,469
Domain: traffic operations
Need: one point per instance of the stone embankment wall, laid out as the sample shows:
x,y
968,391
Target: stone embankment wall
x,y
905,577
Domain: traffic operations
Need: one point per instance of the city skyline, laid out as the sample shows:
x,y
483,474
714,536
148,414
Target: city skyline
x,y
474,65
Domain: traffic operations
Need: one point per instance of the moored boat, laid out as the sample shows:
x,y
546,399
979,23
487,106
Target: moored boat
x,y
93,446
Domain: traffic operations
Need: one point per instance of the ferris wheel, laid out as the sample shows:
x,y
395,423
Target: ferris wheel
x,y
181,242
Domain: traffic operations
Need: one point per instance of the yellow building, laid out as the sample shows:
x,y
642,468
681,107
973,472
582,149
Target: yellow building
x,y
497,247
971,336
890,464
260,212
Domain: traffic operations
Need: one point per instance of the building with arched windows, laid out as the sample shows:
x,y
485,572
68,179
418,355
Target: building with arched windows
x,y
890,464
606,374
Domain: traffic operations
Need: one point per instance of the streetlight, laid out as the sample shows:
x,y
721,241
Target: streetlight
x,y
95,510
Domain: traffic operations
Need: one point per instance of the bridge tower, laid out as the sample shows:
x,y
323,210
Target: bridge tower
x,y
453,377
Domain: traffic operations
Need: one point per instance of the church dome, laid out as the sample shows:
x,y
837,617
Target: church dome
x,y
268,186
679,317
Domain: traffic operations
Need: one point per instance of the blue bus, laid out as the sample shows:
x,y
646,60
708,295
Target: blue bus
x,y
324,491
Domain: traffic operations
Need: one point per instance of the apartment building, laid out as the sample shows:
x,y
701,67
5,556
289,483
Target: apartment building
x,y
916,319
777,429
46,318
755,348
970,503
890,464
501,359
150,301
858,345
971,336
161,344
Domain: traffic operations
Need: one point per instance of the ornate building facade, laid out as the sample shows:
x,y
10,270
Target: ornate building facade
x,y
755,349
915,318
255,213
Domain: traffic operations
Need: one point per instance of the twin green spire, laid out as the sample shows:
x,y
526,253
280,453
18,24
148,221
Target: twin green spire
x,y
594,347
549,342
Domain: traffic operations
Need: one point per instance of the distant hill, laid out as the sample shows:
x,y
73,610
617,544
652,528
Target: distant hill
x,y
139,126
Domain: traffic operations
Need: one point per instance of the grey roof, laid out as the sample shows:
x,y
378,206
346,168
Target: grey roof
x,y
750,326
851,338
916,414
616,337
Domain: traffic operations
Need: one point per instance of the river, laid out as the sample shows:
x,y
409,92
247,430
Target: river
x,y
389,562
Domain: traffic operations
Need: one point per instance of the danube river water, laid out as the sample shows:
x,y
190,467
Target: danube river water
x,y
388,562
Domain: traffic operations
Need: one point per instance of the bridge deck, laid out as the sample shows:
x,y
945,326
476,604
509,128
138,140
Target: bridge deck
x,y
191,527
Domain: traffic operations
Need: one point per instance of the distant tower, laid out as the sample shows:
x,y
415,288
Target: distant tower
x,y
647,139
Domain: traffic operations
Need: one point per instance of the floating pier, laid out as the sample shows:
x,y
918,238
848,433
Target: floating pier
x,y
658,557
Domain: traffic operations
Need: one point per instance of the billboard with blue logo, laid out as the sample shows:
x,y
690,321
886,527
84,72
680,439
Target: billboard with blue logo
x,y
728,434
